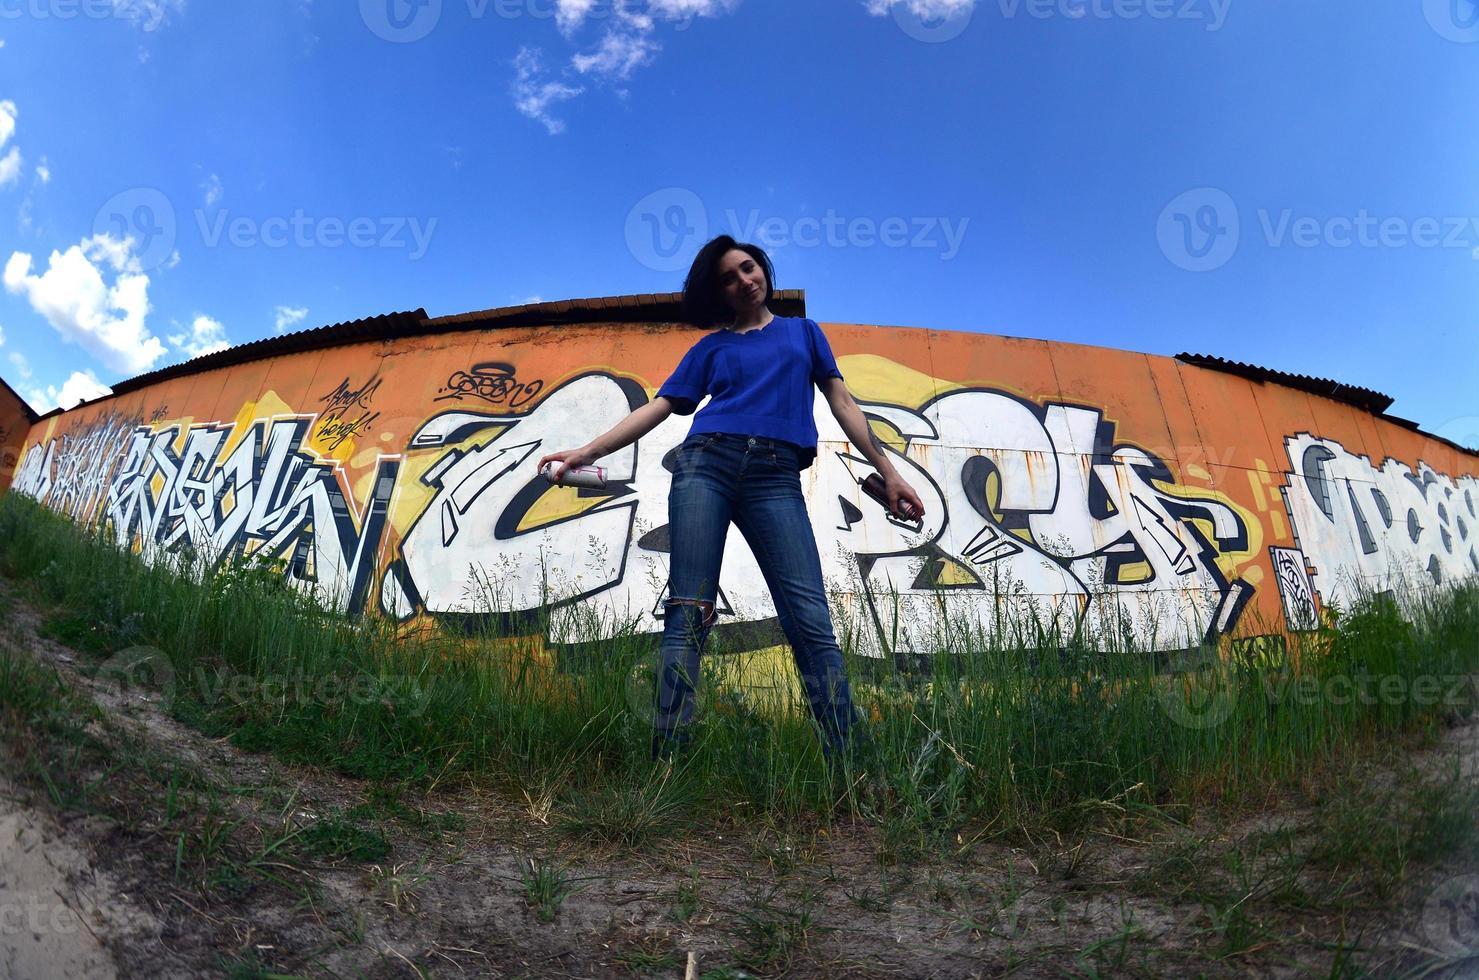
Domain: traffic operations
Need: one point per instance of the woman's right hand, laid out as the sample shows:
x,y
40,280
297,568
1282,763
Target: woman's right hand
x,y
568,459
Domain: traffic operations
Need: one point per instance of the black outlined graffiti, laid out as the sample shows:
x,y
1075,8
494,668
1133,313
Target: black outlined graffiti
x,y
218,493
1363,528
1295,589
1057,515
70,473
493,382
347,413
472,550
1037,514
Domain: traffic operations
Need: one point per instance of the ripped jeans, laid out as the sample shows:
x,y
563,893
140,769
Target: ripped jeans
x,y
756,484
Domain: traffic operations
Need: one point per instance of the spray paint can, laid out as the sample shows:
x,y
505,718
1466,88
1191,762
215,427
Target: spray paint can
x,y
592,477
874,487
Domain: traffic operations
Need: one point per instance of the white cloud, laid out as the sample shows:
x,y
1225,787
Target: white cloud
x,y
923,9
532,96
679,9
43,171
10,164
105,320
2,336
81,386
22,366
213,190
570,14
626,46
205,336
617,56
286,316
10,167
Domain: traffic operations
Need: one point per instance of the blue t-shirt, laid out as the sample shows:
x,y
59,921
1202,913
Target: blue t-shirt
x,y
759,383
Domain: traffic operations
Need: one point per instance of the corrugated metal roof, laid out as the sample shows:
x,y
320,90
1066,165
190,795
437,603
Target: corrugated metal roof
x,y
1372,401
639,308
635,308
384,327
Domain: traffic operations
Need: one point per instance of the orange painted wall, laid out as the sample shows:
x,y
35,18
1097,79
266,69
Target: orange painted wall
x,y
1091,487
15,427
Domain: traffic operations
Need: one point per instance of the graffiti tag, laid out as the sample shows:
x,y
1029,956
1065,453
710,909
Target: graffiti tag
x,y
493,382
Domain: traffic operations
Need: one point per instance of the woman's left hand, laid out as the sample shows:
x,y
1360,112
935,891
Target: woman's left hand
x,y
902,500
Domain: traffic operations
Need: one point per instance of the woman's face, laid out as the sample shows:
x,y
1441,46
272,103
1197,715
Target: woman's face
x,y
741,281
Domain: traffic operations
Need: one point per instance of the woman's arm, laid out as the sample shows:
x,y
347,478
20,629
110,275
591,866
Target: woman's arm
x,y
855,426
636,425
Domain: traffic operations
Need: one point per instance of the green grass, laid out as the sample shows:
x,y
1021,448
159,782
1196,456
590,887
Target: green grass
x,y
546,886
989,736
773,930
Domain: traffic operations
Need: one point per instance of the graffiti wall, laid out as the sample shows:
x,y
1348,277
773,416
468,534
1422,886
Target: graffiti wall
x,y
15,426
1067,488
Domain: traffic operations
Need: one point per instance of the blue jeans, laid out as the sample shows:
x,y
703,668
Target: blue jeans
x,y
756,483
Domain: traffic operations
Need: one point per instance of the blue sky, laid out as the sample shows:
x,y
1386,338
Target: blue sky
x,y
1291,184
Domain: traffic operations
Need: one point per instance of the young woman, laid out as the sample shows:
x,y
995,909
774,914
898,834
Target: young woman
x,y
741,463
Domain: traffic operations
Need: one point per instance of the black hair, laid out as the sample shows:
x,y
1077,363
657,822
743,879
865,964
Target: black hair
x,y
703,299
